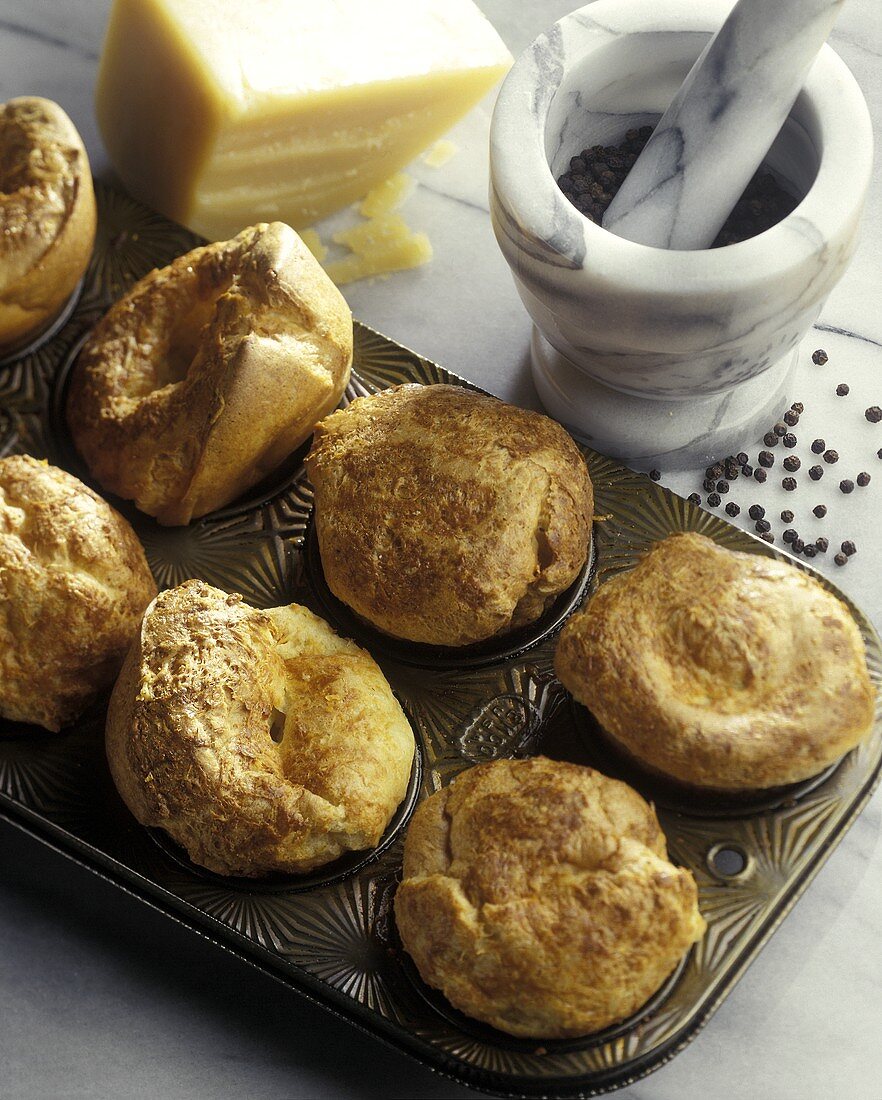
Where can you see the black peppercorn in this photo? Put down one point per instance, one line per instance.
(873, 414)
(723, 487)
(770, 439)
(790, 535)
(798, 546)
(863, 479)
(741, 458)
(842, 390)
(791, 464)
(747, 470)
(694, 498)
(714, 472)
(714, 500)
(787, 516)
(767, 536)
(756, 511)
(818, 445)
(789, 483)
(819, 358)
(655, 475)
(822, 544)
(831, 456)
(732, 508)
(759, 474)
(816, 472)
(791, 417)
(766, 458)
(763, 525)
(780, 428)
(820, 510)
(848, 548)
(789, 440)
(708, 485)
(840, 559)
(879, 453)
(809, 550)
(798, 407)
(846, 485)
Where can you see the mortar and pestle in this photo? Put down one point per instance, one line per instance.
(648, 344)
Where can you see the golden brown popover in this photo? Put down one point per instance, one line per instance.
(445, 516)
(47, 215)
(538, 897)
(210, 372)
(73, 585)
(720, 669)
(259, 740)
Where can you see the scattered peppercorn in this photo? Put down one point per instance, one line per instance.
(763, 525)
(820, 510)
(708, 485)
(790, 535)
(787, 516)
(818, 445)
(732, 509)
(863, 479)
(714, 500)
(770, 439)
(694, 498)
(766, 458)
(846, 485)
(831, 456)
(789, 440)
(879, 453)
(789, 483)
(655, 475)
(798, 546)
(816, 472)
(767, 536)
(873, 414)
(723, 487)
(733, 472)
(741, 458)
(791, 417)
(822, 544)
(756, 511)
(819, 358)
(747, 470)
(714, 472)
(759, 474)
(792, 464)
(780, 428)
(848, 548)
(842, 390)
(809, 550)
(798, 407)
(840, 559)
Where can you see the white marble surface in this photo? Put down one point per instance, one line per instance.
(101, 997)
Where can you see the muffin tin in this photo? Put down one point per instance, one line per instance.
(331, 934)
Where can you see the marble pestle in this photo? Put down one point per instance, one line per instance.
(721, 123)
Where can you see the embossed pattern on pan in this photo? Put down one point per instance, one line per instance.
(333, 936)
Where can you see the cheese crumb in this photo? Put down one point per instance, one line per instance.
(388, 195)
(440, 153)
(379, 246)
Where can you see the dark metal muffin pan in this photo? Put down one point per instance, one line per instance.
(331, 934)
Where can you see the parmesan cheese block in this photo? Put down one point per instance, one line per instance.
(223, 113)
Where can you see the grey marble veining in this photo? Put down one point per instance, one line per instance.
(721, 123)
(102, 997)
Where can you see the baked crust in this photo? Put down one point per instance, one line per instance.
(259, 740)
(720, 669)
(73, 585)
(47, 215)
(445, 516)
(538, 897)
(210, 372)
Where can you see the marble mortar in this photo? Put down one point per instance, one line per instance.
(665, 357)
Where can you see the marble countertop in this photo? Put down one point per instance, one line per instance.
(102, 996)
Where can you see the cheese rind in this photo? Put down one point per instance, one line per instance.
(221, 113)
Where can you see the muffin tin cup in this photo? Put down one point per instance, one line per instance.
(331, 934)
